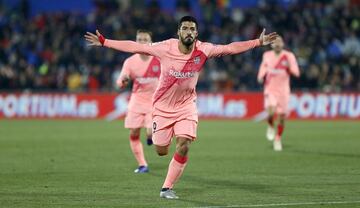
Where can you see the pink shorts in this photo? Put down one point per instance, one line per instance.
(280, 103)
(135, 120)
(164, 130)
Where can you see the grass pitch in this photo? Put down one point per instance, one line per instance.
(89, 164)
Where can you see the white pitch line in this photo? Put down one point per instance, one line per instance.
(282, 204)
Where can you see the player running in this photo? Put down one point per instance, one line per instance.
(276, 67)
(174, 102)
(144, 71)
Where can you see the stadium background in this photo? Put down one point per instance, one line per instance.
(43, 50)
(48, 72)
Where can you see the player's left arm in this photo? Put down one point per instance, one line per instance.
(239, 47)
(294, 67)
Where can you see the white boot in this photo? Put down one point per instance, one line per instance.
(277, 144)
(270, 133)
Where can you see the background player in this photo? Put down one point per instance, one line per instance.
(144, 71)
(174, 102)
(276, 67)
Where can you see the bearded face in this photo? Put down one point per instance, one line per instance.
(187, 33)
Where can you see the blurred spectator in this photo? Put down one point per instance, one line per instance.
(48, 52)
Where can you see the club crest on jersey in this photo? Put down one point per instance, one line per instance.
(285, 63)
(197, 60)
(155, 68)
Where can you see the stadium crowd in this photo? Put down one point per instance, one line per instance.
(48, 52)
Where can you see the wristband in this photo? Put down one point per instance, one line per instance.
(101, 39)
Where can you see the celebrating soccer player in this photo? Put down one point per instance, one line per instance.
(174, 101)
(144, 71)
(276, 67)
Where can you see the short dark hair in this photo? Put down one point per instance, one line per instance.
(188, 19)
(144, 31)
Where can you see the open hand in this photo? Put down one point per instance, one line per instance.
(95, 40)
(267, 39)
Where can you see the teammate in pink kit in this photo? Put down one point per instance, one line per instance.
(144, 71)
(276, 67)
(174, 102)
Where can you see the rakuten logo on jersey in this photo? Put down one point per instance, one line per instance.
(277, 71)
(181, 75)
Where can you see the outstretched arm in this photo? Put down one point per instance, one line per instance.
(239, 47)
(121, 45)
(232, 48)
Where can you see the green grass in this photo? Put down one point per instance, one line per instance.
(89, 164)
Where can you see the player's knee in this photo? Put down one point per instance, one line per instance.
(270, 111)
(134, 132)
(162, 151)
(182, 148)
(282, 119)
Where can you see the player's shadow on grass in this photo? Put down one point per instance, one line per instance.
(201, 203)
(189, 196)
(218, 184)
(332, 154)
(228, 184)
(158, 169)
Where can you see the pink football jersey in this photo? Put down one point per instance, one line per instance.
(175, 96)
(276, 71)
(145, 75)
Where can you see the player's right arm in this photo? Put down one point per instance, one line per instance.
(262, 71)
(122, 45)
(124, 77)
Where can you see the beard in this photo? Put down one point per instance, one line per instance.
(187, 41)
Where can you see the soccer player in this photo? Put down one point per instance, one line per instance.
(276, 67)
(174, 101)
(144, 71)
